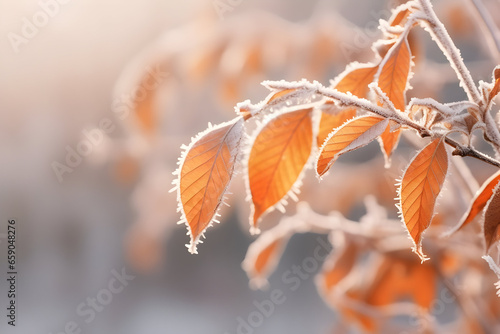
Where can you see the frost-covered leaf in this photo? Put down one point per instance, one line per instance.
(389, 140)
(143, 101)
(492, 219)
(393, 81)
(279, 95)
(491, 90)
(263, 255)
(421, 184)
(277, 158)
(496, 83)
(352, 135)
(355, 80)
(332, 119)
(479, 201)
(205, 170)
(399, 16)
(337, 267)
(399, 278)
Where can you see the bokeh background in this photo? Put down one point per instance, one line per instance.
(73, 234)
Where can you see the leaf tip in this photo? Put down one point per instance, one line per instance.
(254, 230)
(192, 247)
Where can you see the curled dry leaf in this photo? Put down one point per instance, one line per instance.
(356, 82)
(421, 184)
(205, 170)
(338, 265)
(492, 219)
(354, 134)
(393, 81)
(263, 255)
(277, 158)
(396, 280)
(482, 197)
(379, 284)
(492, 91)
(144, 99)
(389, 141)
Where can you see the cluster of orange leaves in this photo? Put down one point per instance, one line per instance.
(282, 146)
(295, 128)
(298, 126)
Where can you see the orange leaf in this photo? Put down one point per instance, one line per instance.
(145, 97)
(205, 171)
(479, 202)
(496, 85)
(338, 266)
(262, 260)
(398, 278)
(278, 155)
(392, 80)
(356, 82)
(263, 256)
(389, 141)
(279, 95)
(146, 114)
(394, 73)
(391, 279)
(330, 122)
(400, 17)
(492, 219)
(352, 135)
(421, 184)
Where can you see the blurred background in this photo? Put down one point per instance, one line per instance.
(65, 73)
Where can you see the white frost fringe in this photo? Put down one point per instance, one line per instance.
(294, 190)
(233, 140)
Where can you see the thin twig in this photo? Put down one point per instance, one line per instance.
(353, 101)
(467, 151)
